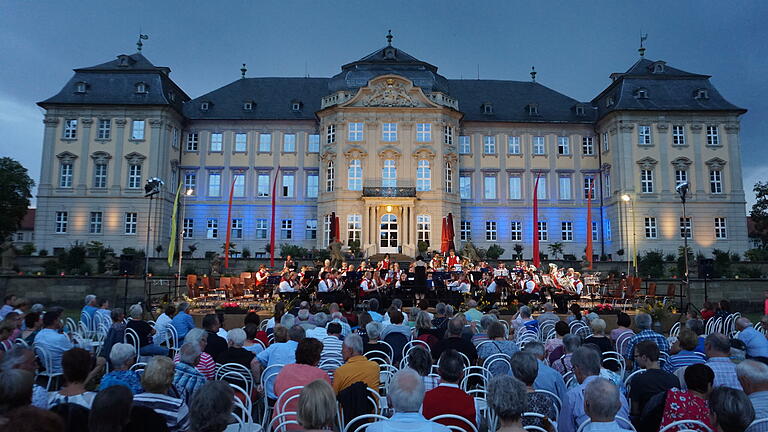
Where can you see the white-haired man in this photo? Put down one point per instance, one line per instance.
(89, 310)
(753, 376)
(601, 403)
(405, 395)
(356, 367)
(757, 344)
(187, 379)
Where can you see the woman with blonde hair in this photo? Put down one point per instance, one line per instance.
(317, 406)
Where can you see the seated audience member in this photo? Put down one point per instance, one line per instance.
(718, 349)
(316, 407)
(157, 379)
(482, 332)
(601, 404)
(507, 398)
(548, 315)
(420, 360)
(111, 410)
(757, 344)
(205, 365)
(406, 393)
(338, 317)
(187, 379)
(373, 310)
(643, 323)
(547, 378)
(730, 410)
(162, 322)
(686, 356)
(33, 323)
(622, 330)
(303, 372)
(454, 340)
(115, 334)
(211, 407)
(122, 357)
(252, 340)
(20, 357)
(52, 339)
(215, 344)
(525, 368)
(396, 325)
(183, 321)
(363, 319)
(753, 376)
(497, 344)
(472, 313)
(89, 310)
(15, 390)
(651, 382)
(76, 364)
(356, 367)
(698, 327)
(373, 330)
(554, 347)
(332, 344)
(586, 368)
(570, 343)
(235, 353)
(7, 308)
(528, 322)
(252, 318)
(33, 419)
(281, 352)
(424, 327)
(145, 332)
(319, 331)
(688, 404)
(447, 397)
(440, 321)
(75, 416)
(598, 336)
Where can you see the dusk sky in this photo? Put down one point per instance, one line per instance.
(574, 46)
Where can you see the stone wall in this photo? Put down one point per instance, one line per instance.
(70, 291)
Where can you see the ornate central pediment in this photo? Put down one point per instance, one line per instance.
(391, 91)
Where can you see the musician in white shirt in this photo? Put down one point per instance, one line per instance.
(367, 286)
(288, 284)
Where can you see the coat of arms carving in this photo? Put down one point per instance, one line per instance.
(390, 94)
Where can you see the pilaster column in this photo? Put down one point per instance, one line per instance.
(117, 177)
(82, 182)
(49, 142)
(401, 228)
(412, 224)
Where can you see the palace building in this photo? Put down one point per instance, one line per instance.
(391, 147)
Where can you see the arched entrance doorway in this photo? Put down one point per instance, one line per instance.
(388, 241)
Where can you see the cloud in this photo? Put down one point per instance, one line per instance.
(21, 134)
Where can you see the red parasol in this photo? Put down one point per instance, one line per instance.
(444, 236)
(451, 232)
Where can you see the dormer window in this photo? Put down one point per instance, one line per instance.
(641, 93)
(81, 87)
(124, 60)
(533, 109)
(171, 96)
(295, 106)
(248, 106)
(657, 67)
(204, 106)
(609, 101)
(701, 94)
(579, 110)
(487, 108)
(141, 88)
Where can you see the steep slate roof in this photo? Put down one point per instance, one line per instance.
(114, 83)
(670, 90)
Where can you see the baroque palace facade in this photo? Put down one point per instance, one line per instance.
(391, 147)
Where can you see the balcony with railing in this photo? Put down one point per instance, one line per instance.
(389, 188)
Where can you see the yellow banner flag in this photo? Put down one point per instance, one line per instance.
(172, 243)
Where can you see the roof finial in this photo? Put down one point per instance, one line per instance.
(533, 74)
(641, 50)
(389, 38)
(139, 43)
(243, 70)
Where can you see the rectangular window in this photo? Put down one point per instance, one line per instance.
(607, 225)
(175, 138)
(237, 228)
(516, 230)
(543, 234)
(489, 144)
(589, 187)
(389, 174)
(261, 229)
(265, 143)
(721, 231)
(100, 175)
(212, 229)
(465, 146)
(713, 138)
(489, 186)
(188, 228)
(389, 132)
(715, 181)
(62, 219)
(262, 185)
(565, 187)
(326, 230)
(566, 231)
(594, 231)
(607, 177)
(94, 227)
(465, 186)
(466, 230)
(355, 131)
(646, 181)
(214, 184)
(137, 130)
(216, 144)
(644, 135)
(312, 185)
(310, 232)
(241, 142)
(681, 176)
(605, 142)
(423, 176)
(193, 140)
(289, 143)
(448, 135)
(490, 231)
(330, 134)
(65, 175)
(286, 229)
(541, 190)
(423, 132)
(651, 230)
(678, 135)
(288, 185)
(448, 178)
(563, 145)
(330, 177)
(539, 147)
(355, 175)
(313, 143)
(685, 227)
(190, 181)
(423, 228)
(515, 187)
(513, 145)
(239, 180)
(134, 176)
(70, 129)
(131, 223)
(105, 129)
(588, 145)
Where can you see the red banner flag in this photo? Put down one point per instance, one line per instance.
(590, 185)
(272, 233)
(536, 258)
(229, 223)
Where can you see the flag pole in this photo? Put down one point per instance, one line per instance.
(590, 185)
(272, 233)
(536, 258)
(229, 222)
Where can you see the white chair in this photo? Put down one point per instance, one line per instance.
(47, 362)
(555, 401)
(279, 423)
(172, 339)
(137, 367)
(675, 330)
(415, 343)
(473, 373)
(500, 359)
(464, 357)
(534, 415)
(375, 398)
(687, 426)
(236, 367)
(70, 326)
(364, 420)
(286, 396)
(268, 376)
(467, 425)
(132, 338)
(615, 357)
(246, 407)
(379, 357)
(570, 380)
(330, 364)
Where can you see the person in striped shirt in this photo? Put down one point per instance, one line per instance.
(206, 365)
(332, 344)
(157, 380)
(687, 341)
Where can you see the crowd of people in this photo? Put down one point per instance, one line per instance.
(435, 367)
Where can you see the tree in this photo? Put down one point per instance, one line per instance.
(759, 213)
(15, 192)
(518, 251)
(556, 249)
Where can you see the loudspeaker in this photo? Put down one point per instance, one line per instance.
(707, 268)
(127, 264)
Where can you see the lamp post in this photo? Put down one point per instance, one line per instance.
(187, 193)
(628, 199)
(625, 233)
(682, 190)
(151, 188)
